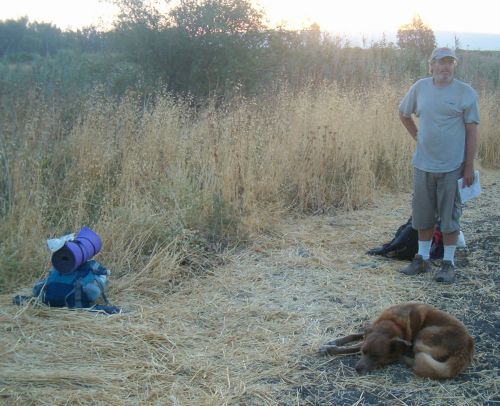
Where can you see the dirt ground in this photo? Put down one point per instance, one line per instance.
(248, 332)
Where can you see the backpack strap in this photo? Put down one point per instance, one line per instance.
(77, 290)
(98, 270)
(102, 288)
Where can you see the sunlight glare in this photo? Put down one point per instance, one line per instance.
(340, 17)
(65, 14)
(365, 16)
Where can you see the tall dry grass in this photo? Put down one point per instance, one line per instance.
(165, 185)
(489, 145)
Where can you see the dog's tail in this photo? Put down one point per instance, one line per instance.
(428, 367)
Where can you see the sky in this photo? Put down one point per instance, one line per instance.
(354, 16)
(343, 17)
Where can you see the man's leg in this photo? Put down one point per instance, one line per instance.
(423, 220)
(449, 206)
(450, 245)
(425, 242)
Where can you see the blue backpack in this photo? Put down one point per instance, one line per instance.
(78, 289)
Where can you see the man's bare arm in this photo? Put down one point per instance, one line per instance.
(410, 125)
(470, 152)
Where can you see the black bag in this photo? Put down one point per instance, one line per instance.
(404, 245)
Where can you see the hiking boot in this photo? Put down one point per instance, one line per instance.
(447, 273)
(418, 265)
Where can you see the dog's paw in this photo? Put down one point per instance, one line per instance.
(327, 349)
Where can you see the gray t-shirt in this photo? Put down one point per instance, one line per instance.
(442, 113)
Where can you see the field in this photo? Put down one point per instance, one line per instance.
(247, 331)
(236, 236)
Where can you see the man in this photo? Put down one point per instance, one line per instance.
(446, 138)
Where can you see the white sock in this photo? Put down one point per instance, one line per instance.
(449, 253)
(424, 249)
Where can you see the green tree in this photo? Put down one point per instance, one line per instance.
(13, 36)
(20, 39)
(224, 39)
(416, 37)
(139, 35)
(416, 40)
(139, 13)
(47, 38)
(209, 17)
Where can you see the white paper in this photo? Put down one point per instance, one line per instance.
(471, 191)
(461, 240)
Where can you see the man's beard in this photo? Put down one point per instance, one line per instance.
(443, 77)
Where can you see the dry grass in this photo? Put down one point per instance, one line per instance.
(166, 177)
(489, 147)
(247, 333)
(167, 190)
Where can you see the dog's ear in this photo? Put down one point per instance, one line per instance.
(398, 343)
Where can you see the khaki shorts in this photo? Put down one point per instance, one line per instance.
(436, 196)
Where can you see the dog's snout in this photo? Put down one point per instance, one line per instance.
(360, 367)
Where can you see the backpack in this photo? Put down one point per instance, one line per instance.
(78, 289)
(404, 245)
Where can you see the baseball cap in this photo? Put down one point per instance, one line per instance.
(440, 53)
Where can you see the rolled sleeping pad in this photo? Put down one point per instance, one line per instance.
(89, 236)
(74, 253)
(68, 258)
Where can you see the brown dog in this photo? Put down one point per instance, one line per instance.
(434, 343)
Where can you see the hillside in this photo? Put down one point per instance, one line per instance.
(247, 331)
